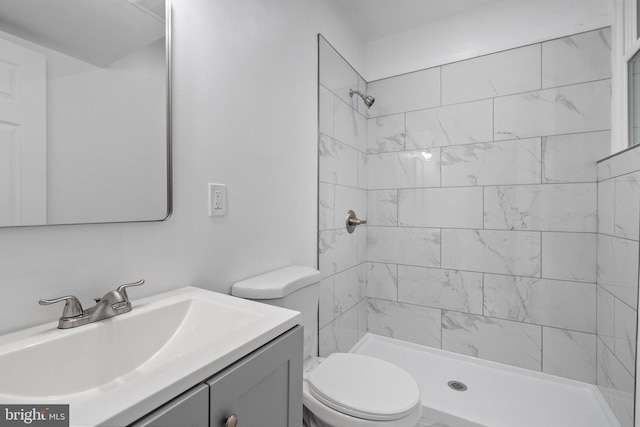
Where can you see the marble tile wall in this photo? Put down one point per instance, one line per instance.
(491, 230)
(482, 201)
(617, 279)
(342, 186)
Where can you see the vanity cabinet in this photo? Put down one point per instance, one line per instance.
(263, 389)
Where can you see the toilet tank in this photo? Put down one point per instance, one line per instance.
(295, 287)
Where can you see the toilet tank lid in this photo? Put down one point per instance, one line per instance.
(276, 284)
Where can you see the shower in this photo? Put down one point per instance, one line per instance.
(368, 99)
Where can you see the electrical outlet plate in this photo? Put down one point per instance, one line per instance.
(217, 199)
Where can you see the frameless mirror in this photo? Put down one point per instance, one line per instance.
(84, 111)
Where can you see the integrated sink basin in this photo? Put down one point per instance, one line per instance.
(114, 371)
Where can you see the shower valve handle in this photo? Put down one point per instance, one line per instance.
(352, 221)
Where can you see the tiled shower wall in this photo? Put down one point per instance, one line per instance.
(482, 204)
(617, 279)
(479, 182)
(342, 187)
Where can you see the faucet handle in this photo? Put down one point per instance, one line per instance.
(122, 289)
(72, 308)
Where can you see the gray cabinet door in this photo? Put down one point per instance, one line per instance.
(264, 389)
(190, 409)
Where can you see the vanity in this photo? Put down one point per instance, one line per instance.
(188, 357)
(262, 389)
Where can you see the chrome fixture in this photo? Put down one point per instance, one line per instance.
(112, 304)
(368, 99)
(457, 385)
(352, 221)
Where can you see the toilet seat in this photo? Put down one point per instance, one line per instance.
(364, 387)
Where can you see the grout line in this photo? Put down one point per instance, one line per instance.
(541, 263)
(542, 348)
(541, 65)
(440, 69)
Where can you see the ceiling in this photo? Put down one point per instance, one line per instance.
(375, 19)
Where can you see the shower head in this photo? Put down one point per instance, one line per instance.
(368, 99)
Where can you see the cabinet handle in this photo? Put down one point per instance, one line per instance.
(232, 421)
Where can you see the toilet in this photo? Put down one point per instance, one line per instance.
(344, 389)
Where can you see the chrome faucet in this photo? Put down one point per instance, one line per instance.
(111, 304)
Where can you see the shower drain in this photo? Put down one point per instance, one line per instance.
(457, 386)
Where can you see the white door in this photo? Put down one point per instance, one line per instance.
(23, 136)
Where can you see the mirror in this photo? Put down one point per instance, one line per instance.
(634, 100)
(84, 111)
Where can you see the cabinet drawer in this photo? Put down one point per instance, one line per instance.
(190, 409)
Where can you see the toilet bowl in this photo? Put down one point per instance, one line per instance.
(344, 389)
(356, 390)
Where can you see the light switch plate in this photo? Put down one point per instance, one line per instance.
(217, 199)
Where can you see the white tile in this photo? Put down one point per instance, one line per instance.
(452, 125)
(569, 256)
(547, 207)
(572, 158)
(363, 322)
(492, 251)
(618, 267)
(328, 340)
(576, 59)
(627, 206)
(408, 92)
(382, 281)
(382, 207)
(405, 169)
(338, 162)
(361, 234)
(494, 163)
(625, 162)
(434, 287)
(625, 335)
(361, 271)
(459, 207)
(606, 317)
(326, 302)
(404, 245)
(326, 206)
(347, 330)
(349, 290)
(350, 126)
(386, 134)
(348, 198)
(569, 354)
(420, 325)
(570, 109)
(611, 373)
(325, 113)
(568, 305)
(362, 170)
(338, 251)
(339, 335)
(513, 343)
(503, 73)
(606, 204)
